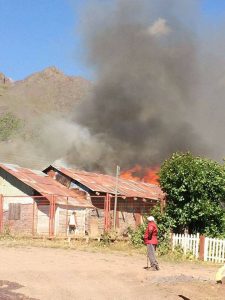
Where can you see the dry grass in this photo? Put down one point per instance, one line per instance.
(83, 245)
(120, 247)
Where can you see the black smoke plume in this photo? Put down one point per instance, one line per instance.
(148, 83)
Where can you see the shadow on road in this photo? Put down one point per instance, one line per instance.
(7, 291)
(183, 297)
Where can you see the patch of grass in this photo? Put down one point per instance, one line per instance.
(9, 126)
(124, 247)
(177, 255)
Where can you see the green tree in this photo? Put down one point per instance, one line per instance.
(195, 189)
(9, 125)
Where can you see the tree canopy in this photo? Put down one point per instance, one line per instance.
(195, 189)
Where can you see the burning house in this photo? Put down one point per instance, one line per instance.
(134, 198)
(31, 202)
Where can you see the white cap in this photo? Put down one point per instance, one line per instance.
(151, 218)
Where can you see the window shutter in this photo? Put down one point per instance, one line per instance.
(14, 211)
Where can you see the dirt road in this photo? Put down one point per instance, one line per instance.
(43, 273)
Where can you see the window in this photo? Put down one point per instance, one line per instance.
(14, 211)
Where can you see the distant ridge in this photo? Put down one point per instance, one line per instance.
(46, 91)
(46, 94)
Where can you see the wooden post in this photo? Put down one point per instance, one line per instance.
(67, 218)
(137, 217)
(1, 213)
(107, 220)
(109, 212)
(34, 223)
(106, 213)
(116, 195)
(117, 220)
(52, 216)
(201, 247)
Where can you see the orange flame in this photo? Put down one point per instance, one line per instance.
(138, 173)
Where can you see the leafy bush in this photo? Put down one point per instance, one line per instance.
(105, 239)
(9, 125)
(6, 231)
(136, 236)
(108, 237)
(178, 253)
(164, 222)
(164, 247)
(195, 189)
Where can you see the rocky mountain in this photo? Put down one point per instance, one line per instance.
(47, 91)
(32, 109)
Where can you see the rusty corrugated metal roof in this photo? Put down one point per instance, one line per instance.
(106, 184)
(45, 185)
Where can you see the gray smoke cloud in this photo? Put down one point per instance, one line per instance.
(146, 102)
(159, 87)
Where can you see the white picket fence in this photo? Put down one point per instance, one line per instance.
(188, 242)
(214, 250)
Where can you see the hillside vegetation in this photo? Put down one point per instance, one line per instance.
(47, 91)
(25, 105)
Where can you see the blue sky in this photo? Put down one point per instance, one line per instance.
(35, 34)
(213, 8)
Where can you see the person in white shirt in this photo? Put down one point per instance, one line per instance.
(72, 222)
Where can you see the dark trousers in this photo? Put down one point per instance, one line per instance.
(151, 255)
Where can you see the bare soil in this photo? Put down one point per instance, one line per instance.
(45, 273)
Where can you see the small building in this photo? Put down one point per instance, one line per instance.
(135, 199)
(33, 203)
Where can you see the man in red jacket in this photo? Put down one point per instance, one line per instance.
(150, 238)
